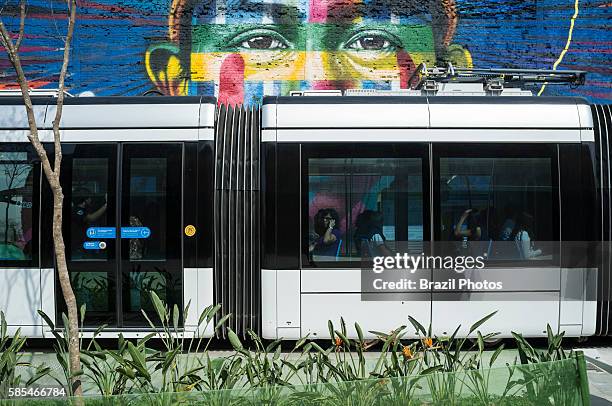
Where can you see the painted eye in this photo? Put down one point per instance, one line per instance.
(260, 39)
(263, 42)
(372, 41)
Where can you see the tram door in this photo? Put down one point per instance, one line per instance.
(122, 226)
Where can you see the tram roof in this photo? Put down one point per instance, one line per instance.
(112, 112)
(427, 112)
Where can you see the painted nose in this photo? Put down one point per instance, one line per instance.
(324, 71)
(231, 83)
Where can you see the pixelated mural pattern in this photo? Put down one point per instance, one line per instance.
(239, 50)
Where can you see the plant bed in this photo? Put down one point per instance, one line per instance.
(426, 371)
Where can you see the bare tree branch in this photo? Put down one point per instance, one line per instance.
(22, 16)
(23, 84)
(62, 86)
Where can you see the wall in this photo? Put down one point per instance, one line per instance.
(240, 49)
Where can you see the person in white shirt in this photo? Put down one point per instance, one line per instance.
(523, 234)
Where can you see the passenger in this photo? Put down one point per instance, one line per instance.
(328, 235)
(84, 207)
(468, 226)
(509, 223)
(488, 229)
(488, 225)
(522, 234)
(84, 215)
(369, 233)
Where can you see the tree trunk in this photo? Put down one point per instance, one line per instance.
(53, 177)
(67, 292)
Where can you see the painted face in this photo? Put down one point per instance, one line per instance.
(240, 50)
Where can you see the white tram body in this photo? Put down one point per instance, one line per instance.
(207, 204)
(109, 144)
(299, 299)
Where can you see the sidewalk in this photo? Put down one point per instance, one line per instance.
(599, 370)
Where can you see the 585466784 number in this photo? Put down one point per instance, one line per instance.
(37, 392)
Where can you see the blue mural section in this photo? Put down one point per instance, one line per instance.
(109, 55)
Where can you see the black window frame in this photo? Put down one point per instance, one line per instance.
(359, 150)
(501, 150)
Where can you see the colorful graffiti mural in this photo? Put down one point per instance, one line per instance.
(239, 50)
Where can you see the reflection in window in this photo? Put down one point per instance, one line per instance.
(141, 284)
(352, 201)
(497, 207)
(88, 205)
(92, 289)
(148, 189)
(16, 197)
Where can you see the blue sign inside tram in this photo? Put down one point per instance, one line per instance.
(135, 232)
(94, 245)
(101, 232)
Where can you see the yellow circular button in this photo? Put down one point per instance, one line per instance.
(190, 230)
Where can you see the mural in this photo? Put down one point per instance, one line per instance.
(239, 50)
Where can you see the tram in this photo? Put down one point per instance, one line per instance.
(265, 209)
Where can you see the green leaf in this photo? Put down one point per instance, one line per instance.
(208, 314)
(159, 306)
(141, 342)
(127, 372)
(452, 337)
(345, 341)
(382, 336)
(317, 347)
(301, 341)
(4, 326)
(222, 321)
(418, 326)
(186, 310)
(40, 372)
(138, 360)
(99, 330)
(82, 309)
(480, 341)
(271, 347)
(175, 317)
(481, 322)
(169, 359)
(432, 369)
(496, 354)
(66, 326)
(359, 332)
(213, 310)
(50, 324)
(234, 340)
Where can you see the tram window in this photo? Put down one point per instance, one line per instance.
(501, 208)
(17, 204)
(357, 200)
(88, 205)
(147, 207)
